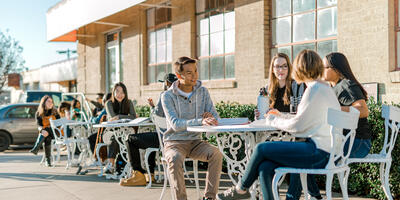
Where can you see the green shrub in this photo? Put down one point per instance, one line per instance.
(142, 111)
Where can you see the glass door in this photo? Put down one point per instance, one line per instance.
(113, 60)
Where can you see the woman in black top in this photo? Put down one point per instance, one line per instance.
(118, 107)
(349, 93)
(46, 111)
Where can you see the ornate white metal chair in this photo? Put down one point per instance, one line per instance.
(58, 126)
(391, 115)
(161, 123)
(337, 163)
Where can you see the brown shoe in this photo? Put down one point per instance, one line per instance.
(153, 179)
(137, 179)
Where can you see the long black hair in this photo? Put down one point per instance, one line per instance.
(340, 64)
(120, 107)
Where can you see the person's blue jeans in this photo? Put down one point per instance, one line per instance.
(360, 149)
(268, 156)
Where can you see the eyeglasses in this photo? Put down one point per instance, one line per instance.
(284, 66)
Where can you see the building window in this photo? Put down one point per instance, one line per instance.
(159, 45)
(216, 39)
(113, 60)
(397, 35)
(304, 24)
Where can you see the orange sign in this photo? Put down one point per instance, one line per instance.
(14, 80)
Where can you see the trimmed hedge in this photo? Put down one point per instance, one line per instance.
(364, 178)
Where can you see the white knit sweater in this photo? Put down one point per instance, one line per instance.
(311, 118)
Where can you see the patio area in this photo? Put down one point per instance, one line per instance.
(21, 177)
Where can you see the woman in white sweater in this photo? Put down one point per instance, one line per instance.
(310, 122)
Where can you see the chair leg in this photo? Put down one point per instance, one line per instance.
(68, 156)
(275, 182)
(196, 177)
(186, 172)
(303, 178)
(146, 161)
(281, 180)
(158, 180)
(329, 178)
(343, 177)
(384, 175)
(58, 152)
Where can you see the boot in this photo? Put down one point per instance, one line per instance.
(47, 153)
(38, 143)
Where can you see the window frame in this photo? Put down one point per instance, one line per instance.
(156, 27)
(207, 14)
(396, 31)
(314, 41)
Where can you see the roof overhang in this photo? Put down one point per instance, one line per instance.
(66, 17)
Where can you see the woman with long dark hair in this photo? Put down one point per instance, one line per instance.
(118, 107)
(46, 111)
(350, 92)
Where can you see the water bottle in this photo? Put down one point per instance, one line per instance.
(262, 104)
(293, 105)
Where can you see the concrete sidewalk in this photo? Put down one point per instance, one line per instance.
(21, 177)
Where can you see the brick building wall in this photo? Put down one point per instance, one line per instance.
(366, 37)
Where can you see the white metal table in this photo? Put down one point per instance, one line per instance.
(235, 138)
(120, 132)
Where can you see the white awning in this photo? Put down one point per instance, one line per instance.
(67, 16)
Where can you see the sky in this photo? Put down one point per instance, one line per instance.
(26, 23)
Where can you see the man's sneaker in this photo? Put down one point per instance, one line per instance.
(207, 198)
(137, 179)
(231, 194)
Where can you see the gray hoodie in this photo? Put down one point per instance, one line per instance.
(181, 111)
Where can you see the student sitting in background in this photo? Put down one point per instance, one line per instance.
(98, 104)
(76, 110)
(64, 111)
(138, 141)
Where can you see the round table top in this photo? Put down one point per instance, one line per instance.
(127, 124)
(230, 128)
(77, 123)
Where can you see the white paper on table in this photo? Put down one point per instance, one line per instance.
(117, 121)
(140, 120)
(232, 121)
(258, 123)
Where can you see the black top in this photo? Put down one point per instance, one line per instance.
(348, 92)
(279, 104)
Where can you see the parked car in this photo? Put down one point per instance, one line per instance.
(18, 124)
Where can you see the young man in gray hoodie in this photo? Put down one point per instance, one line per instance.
(187, 103)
